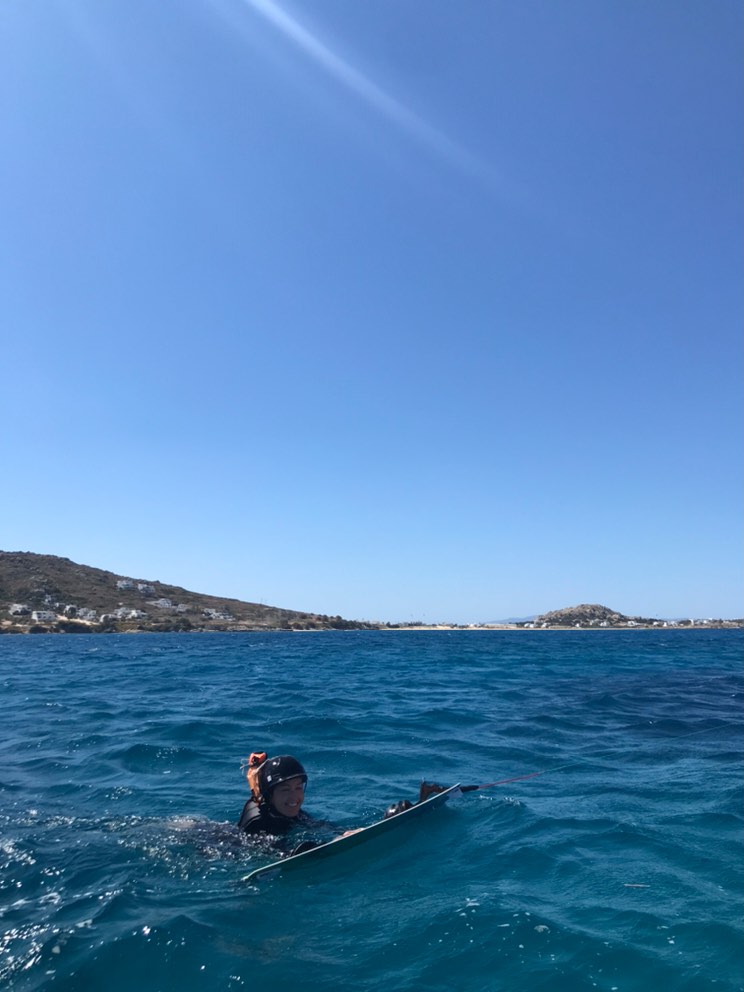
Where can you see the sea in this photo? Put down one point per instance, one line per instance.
(608, 857)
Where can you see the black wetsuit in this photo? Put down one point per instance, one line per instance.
(262, 819)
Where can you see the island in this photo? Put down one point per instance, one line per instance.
(47, 594)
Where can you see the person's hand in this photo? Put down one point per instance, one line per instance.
(429, 789)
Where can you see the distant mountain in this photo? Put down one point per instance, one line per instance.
(583, 614)
(516, 619)
(44, 593)
(593, 615)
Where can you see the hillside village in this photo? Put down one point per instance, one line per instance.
(42, 594)
(588, 616)
(54, 611)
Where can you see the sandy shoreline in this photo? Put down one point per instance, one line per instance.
(8, 628)
(726, 625)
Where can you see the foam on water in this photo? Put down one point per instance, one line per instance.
(617, 868)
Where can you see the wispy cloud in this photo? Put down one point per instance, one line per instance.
(369, 91)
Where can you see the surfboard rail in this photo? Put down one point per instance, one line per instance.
(360, 836)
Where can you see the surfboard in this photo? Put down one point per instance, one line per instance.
(340, 844)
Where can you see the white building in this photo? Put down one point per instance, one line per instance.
(125, 613)
(216, 615)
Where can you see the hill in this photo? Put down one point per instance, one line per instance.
(585, 614)
(593, 615)
(44, 593)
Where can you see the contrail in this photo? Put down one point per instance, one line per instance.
(367, 90)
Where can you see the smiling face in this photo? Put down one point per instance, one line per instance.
(287, 797)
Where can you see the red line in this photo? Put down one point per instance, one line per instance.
(519, 778)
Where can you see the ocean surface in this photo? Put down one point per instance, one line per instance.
(619, 867)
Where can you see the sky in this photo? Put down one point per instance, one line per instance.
(421, 310)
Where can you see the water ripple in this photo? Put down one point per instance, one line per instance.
(617, 866)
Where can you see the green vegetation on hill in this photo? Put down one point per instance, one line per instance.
(44, 593)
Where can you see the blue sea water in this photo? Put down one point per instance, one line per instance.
(617, 868)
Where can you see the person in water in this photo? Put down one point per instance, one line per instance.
(278, 792)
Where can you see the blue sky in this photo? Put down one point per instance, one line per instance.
(393, 310)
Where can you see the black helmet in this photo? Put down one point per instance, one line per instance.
(396, 808)
(277, 770)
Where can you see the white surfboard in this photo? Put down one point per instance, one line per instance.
(344, 843)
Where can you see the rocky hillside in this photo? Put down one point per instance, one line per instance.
(584, 614)
(590, 615)
(44, 593)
